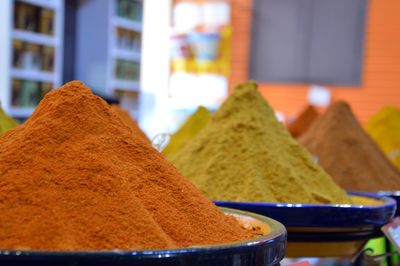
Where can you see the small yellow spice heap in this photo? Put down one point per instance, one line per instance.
(6, 122)
(384, 128)
(193, 125)
(245, 154)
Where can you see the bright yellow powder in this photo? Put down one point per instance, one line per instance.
(245, 154)
(384, 128)
(193, 125)
(6, 122)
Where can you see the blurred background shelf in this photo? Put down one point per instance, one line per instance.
(124, 54)
(32, 75)
(127, 24)
(113, 69)
(33, 37)
(125, 86)
(44, 3)
(31, 41)
(21, 111)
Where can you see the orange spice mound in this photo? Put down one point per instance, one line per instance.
(303, 121)
(129, 121)
(74, 177)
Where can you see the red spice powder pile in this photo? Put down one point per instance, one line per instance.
(347, 153)
(303, 121)
(74, 177)
(129, 121)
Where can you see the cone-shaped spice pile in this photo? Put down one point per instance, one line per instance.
(192, 126)
(384, 128)
(6, 122)
(347, 153)
(129, 121)
(74, 177)
(303, 121)
(245, 154)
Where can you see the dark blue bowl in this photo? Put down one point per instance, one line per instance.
(268, 249)
(321, 215)
(379, 194)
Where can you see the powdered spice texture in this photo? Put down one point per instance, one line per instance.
(384, 128)
(6, 122)
(245, 154)
(347, 153)
(192, 126)
(74, 177)
(129, 121)
(303, 121)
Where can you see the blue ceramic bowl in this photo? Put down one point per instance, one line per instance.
(322, 215)
(268, 249)
(379, 194)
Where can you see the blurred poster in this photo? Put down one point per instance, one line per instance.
(200, 51)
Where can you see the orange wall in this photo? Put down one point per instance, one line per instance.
(381, 70)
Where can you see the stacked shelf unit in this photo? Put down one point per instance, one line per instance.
(108, 57)
(31, 50)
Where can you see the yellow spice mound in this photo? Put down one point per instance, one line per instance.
(6, 122)
(245, 154)
(384, 128)
(192, 126)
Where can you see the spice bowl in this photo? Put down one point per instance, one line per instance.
(268, 250)
(380, 194)
(325, 230)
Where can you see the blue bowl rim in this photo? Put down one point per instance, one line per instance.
(379, 193)
(387, 202)
(280, 234)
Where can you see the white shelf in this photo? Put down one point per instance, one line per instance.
(32, 75)
(125, 85)
(20, 111)
(43, 3)
(33, 37)
(126, 54)
(127, 24)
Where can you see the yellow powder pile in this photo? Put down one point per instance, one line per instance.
(6, 122)
(193, 125)
(245, 154)
(384, 128)
(129, 121)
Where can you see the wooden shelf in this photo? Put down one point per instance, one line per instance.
(127, 24)
(32, 75)
(33, 37)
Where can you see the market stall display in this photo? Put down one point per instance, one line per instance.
(347, 153)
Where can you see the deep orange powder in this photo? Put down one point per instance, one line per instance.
(129, 121)
(74, 177)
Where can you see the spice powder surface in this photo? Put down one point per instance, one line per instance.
(347, 153)
(245, 154)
